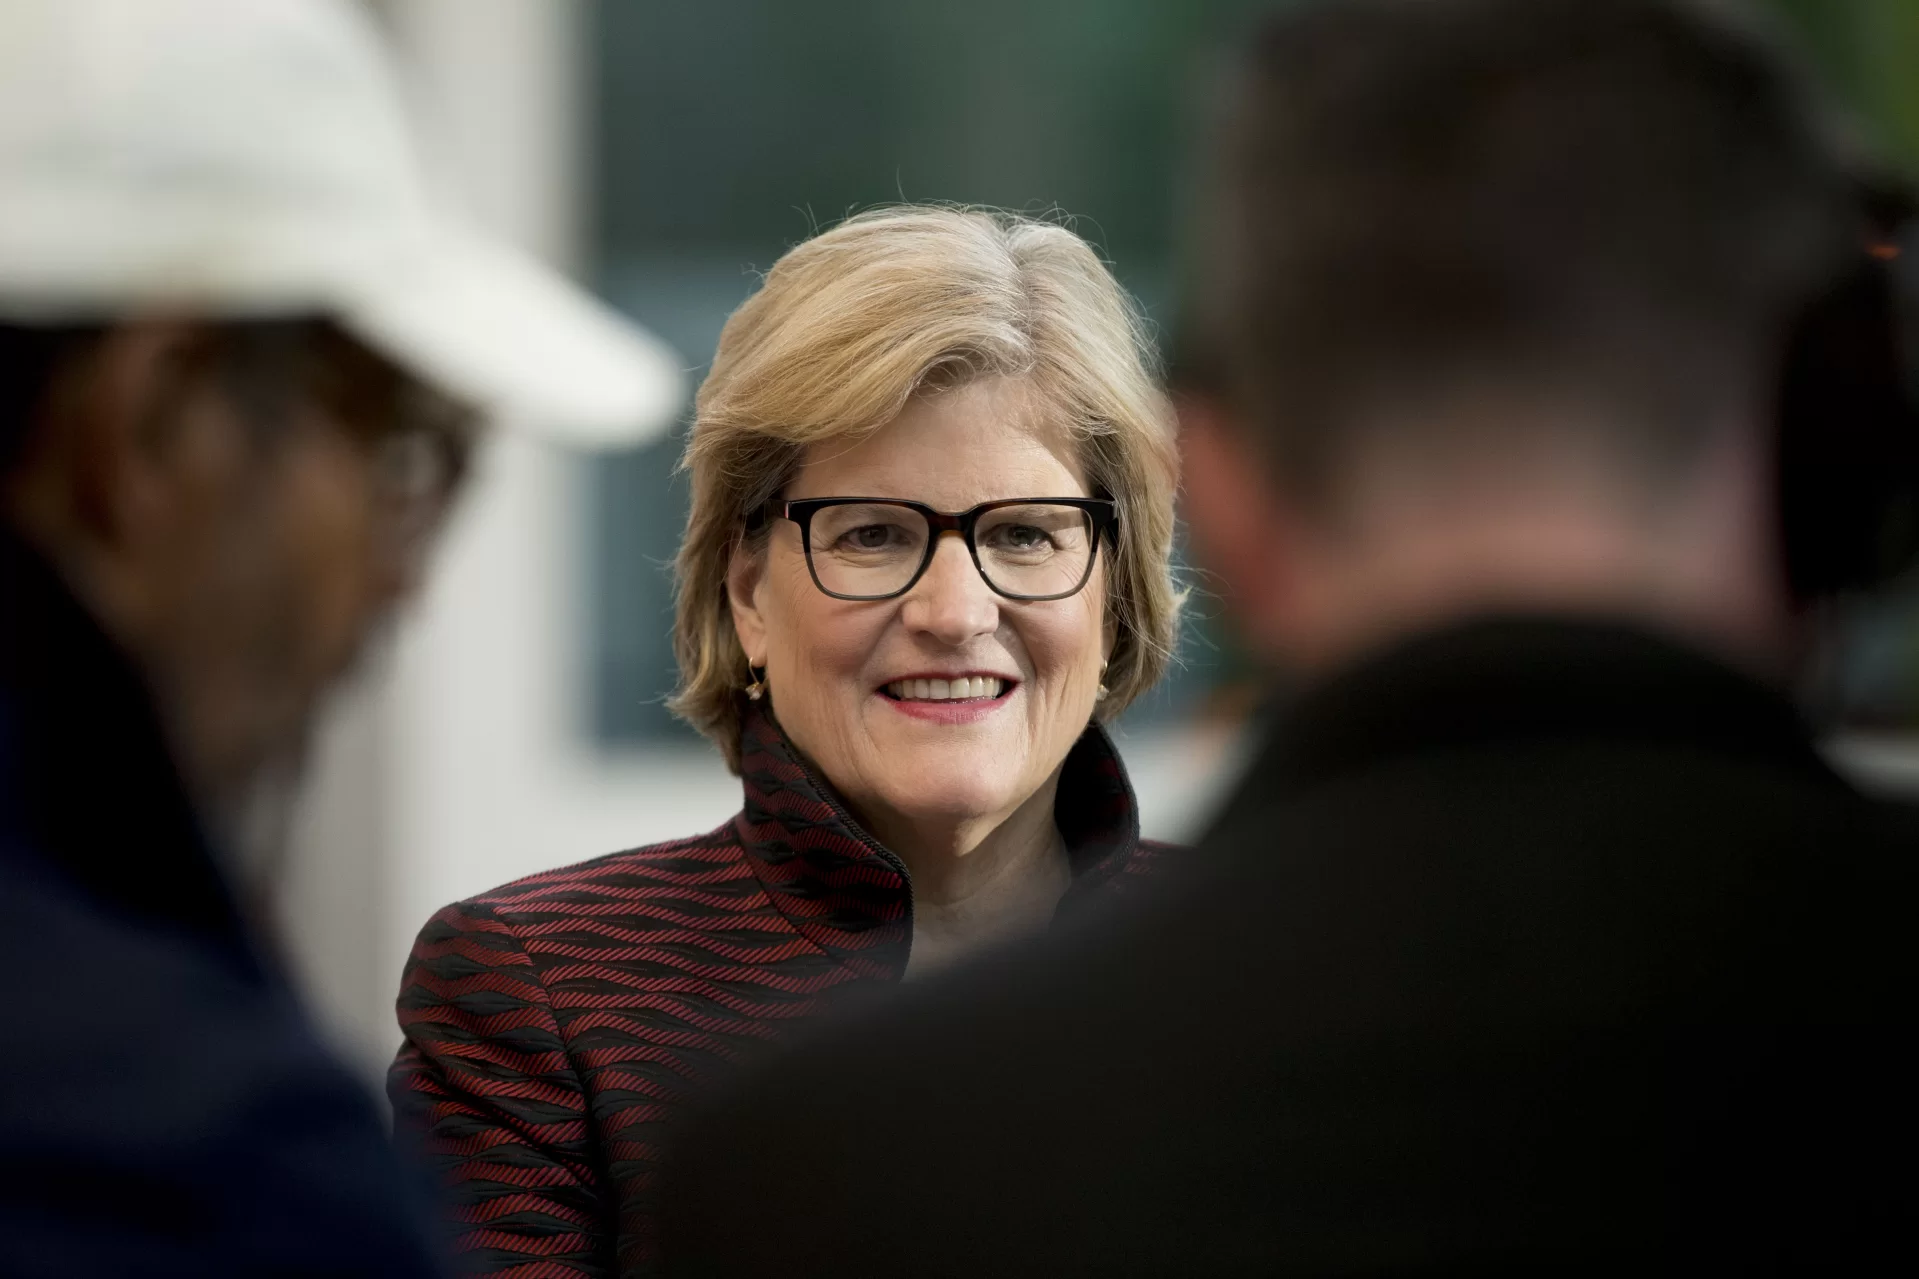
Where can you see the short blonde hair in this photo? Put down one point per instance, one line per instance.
(853, 323)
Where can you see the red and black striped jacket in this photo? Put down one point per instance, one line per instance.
(556, 1026)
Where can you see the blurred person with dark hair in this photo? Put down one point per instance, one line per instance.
(1542, 377)
(240, 358)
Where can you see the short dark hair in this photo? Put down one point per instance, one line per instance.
(1622, 201)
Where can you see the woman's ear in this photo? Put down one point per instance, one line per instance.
(744, 573)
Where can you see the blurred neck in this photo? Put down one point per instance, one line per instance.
(1567, 536)
(125, 589)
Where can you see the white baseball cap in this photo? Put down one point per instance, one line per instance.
(250, 158)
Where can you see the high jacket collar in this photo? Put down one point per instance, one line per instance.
(1505, 680)
(850, 895)
(87, 782)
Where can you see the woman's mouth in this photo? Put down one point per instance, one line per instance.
(967, 688)
(963, 699)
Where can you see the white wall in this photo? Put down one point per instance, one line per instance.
(459, 762)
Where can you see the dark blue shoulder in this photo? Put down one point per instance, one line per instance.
(165, 1111)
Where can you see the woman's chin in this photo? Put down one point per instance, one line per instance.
(950, 786)
(934, 771)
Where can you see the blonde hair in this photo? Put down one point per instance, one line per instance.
(853, 323)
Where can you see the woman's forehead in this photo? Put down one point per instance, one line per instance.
(951, 448)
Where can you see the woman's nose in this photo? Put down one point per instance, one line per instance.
(951, 601)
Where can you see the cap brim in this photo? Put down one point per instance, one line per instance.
(497, 329)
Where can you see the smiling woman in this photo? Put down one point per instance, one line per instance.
(962, 789)
(928, 550)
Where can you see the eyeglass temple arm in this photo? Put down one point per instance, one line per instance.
(763, 514)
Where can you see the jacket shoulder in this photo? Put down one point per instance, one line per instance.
(162, 1062)
(1152, 857)
(716, 855)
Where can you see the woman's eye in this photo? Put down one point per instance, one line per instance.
(869, 537)
(1023, 537)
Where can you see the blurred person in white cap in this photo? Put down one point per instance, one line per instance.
(241, 356)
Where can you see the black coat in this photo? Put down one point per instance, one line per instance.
(165, 1109)
(1529, 946)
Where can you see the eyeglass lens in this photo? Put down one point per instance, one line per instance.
(415, 472)
(874, 549)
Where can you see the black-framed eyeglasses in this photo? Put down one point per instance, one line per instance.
(877, 548)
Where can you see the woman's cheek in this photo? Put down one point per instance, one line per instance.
(1057, 647)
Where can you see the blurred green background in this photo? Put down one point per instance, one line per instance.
(725, 131)
(1869, 52)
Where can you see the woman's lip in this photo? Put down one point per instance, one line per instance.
(952, 675)
(1006, 682)
(967, 711)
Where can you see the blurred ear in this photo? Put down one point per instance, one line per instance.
(1237, 518)
(743, 575)
(117, 437)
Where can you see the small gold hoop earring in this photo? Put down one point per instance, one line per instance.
(757, 689)
(1100, 696)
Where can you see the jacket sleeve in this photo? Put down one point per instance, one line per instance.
(485, 1094)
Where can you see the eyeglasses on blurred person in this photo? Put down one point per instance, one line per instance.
(242, 362)
(927, 555)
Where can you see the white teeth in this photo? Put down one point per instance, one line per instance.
(943, 690)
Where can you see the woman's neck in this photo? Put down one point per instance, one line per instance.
(976, 883)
